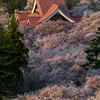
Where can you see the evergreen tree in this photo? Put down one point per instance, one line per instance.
(13, 55)
(93, 53)
(19, 50)
(7, 76)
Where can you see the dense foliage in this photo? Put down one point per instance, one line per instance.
(4, 16)
(13, 55)
(13, 4)
(85, 5)
(72, 3)
(93, 53)
(6, 62)
(19, 50)
(56, 49)
(9, 75)
(54, 57)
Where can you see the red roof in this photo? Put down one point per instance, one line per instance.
(46, 8)
(22, 15)
(46, 4)
(33, 20)
(33, 15)
(23, 22)
(50, 11)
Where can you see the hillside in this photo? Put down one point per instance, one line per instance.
(56, 53)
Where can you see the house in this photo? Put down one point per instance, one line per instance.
(44, 10)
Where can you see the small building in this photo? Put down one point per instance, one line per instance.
(44, 10)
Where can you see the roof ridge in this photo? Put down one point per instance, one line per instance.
(34, 15)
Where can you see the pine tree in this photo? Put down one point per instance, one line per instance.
(13, 55)
(7, 76)
(19, 50)
(93, 53)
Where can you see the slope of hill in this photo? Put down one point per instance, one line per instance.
(56, 51)
(55, 56)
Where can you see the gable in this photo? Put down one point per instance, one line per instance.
(22, 16)
(48, 16)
